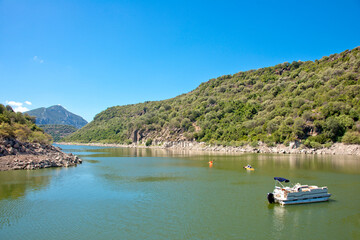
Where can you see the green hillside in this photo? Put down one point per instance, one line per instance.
(20, 126)
(58, 131)
(316, 102)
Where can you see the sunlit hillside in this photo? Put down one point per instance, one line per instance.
(317, 102)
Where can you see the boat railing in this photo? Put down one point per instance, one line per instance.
(280, 185)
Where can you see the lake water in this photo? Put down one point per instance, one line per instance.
(156, 194)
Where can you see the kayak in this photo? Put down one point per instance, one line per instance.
(249, 168)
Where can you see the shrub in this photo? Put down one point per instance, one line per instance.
(334, 128)
(351, 137)
(40, 137)
(270, 144)
(148, 142)
(315, 145)
(6, 130)
(254, 143)
(312, 144)
(298, 128)
(185, 124)
(22, 133)
(321, 138)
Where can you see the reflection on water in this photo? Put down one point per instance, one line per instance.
(294, 220)
(15, 184)
(127, 193)
(92, 161)
(347, 163)
(313, 162)
(279, 217)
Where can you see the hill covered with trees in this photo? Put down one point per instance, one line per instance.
(23, 145)
(58, 131)
(315, 102)
(21, 127)
(57, 121)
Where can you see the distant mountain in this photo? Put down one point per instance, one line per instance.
(18, 127)
(57, 115)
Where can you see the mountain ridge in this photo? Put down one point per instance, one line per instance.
(56, 115)
(314, 102)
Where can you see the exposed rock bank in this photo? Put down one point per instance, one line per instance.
(15, 155)
(293, 148)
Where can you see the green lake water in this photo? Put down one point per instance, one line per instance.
(122, 193)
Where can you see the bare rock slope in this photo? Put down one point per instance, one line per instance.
(16, 155)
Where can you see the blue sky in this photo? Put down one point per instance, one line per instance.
(91, 55)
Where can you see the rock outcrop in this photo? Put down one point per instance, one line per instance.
(15, 155)
(293, 148)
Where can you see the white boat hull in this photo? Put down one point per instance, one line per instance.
(298, 194)
(299, 201)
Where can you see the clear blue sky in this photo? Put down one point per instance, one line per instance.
(91, 55)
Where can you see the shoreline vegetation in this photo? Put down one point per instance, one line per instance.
(23, 145)
(293, 148)
(316, 103)
(310, 107)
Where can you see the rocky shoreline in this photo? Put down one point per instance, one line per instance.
(293, 148)
(16, 155)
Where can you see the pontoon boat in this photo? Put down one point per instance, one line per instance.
(297, 193)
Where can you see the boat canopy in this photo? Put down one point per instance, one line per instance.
(280, 179)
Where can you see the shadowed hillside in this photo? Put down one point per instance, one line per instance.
(58, 131)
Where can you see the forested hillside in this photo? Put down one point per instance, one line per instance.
(20, 126)
(58, 131)
(316, 102)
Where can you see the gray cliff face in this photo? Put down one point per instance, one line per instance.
(16, 155)
(57, 115)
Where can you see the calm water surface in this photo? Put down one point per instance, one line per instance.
(156, 194)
